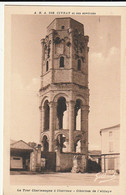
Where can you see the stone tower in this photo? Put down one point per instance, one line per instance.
(64, 93)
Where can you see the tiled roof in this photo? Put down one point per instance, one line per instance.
(12, 141)
(20, 145)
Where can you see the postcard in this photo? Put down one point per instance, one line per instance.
(64, 100)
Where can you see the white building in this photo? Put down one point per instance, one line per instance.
(110, 149)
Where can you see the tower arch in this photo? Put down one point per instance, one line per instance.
(43, 100)
(45, 143)
(61, 108)
(61, 94)
(61, 140)
(81, 98)
(47, 115)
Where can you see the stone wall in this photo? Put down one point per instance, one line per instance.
(64, 161)
(50, 158)
(33, 160)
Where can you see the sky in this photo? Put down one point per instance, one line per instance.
(104, 74)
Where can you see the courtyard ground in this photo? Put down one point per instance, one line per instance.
(68, 179)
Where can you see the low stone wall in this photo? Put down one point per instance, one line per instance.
(66, 161)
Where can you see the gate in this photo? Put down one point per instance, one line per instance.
(50, 157)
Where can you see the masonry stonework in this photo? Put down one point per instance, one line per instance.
(64, 92)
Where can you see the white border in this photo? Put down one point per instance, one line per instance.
(1, 93)
(2, 4)
(78, 3)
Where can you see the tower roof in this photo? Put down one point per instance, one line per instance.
(67, 22)
(64, 18)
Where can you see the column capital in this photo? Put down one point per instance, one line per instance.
(51, 104)
(55, 104)
(85, 108)
(42, 107)
(67, 103)
(72, 102)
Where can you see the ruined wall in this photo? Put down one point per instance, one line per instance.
(33, 160)
(64, 161)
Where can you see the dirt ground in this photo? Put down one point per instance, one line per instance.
(66, 179)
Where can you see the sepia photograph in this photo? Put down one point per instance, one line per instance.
(62, 101)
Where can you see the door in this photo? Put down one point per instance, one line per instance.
(16, 162)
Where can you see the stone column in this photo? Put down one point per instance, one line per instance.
(71, 126)
(84, 128)
(43, 118)
(51, 127)
(67, 105)
(67, 145)
(40, 108)
(71, 53)
(52, 54)
(86, 38)
(43, 58)
(38, 166)
(55, 115)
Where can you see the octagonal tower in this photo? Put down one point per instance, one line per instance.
(64, 93)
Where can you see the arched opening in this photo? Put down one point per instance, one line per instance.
(77, 147)
(79, 65)
(45, 143)
(77, 119)
(47, 111)
(47, 66)
(61, 108)
(61, 143)
(62, 61)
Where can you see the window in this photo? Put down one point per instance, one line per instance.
(79, 65)
(16, 158)
(61, 61)
(47, 66)
(62, 27)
